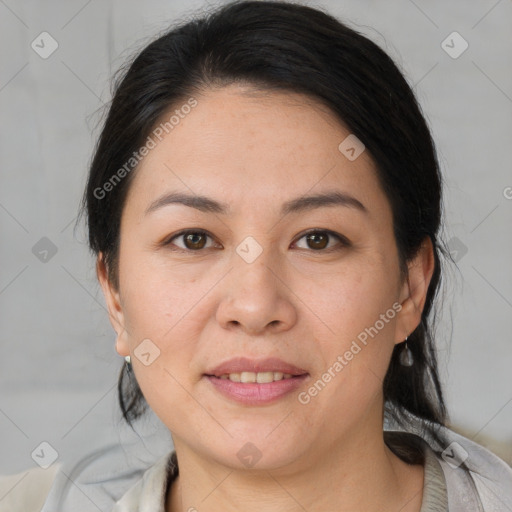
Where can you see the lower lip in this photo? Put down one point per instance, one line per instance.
(253, 393)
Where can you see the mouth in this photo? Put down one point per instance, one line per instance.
(255, 382)
(248, 367)
(255, 393)
(259, 377)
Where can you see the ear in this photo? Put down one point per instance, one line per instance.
(414, 290)
(115, 311)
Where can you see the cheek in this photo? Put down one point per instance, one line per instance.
(356, 357)
(155, 295)
(356, 337)
(162, 310)
(170, 307)
(353, 300)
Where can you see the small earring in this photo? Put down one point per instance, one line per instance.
(128, 359)
(406, 357)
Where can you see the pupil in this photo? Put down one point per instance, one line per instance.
(314, 238)
(191, 237)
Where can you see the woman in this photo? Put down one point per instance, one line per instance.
(264, 203)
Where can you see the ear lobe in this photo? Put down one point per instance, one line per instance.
(415, 289)
(115, 311)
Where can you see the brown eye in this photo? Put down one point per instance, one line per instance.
(319, 240)
(192, 240)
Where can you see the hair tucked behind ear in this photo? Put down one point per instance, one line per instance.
(288, 47)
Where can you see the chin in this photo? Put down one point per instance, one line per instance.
(259, 453)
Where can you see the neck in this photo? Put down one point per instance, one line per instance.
(358, 473)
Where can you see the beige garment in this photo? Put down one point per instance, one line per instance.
(27, 490)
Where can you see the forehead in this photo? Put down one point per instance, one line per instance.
(254, 147)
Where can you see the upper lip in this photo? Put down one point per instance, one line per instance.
(243, 364)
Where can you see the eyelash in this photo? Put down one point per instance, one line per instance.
(344, 242)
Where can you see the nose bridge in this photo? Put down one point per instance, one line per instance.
(253, 265)
(255, 297)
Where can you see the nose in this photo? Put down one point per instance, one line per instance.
(256, 298)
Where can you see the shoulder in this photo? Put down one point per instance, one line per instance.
(26, 491)
(471, 468)
(149, 493)
(96, 481)
(476, 479)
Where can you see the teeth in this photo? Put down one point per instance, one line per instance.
(260, 377)
(248, 377)
(264, 377)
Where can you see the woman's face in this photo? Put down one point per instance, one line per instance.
(251, 283)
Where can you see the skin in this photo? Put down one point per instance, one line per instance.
(254, 151)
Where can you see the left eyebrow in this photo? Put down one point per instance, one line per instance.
(206, 204)
(335, 198)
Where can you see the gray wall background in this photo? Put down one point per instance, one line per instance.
(58, 366)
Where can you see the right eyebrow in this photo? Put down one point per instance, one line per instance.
(202, 203)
